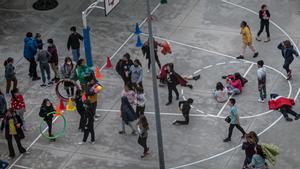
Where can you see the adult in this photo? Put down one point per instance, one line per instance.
(172, 83)
(83, 73)
(89, 124)
(74, 43)
(43, 57)
(185, 107)
(29, 52)
(68, 72)
(123, 68)
(128, 115)
(264, 16)
(234, 120)
(45, 109)
(234, 84)
(288, 52)
(12, 125)
(10, 74)
(54, 59)
(136, 74)
(221, 93)
(246, 40)
(146, 51)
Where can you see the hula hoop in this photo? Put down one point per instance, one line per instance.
(62, 81)
(59, 133)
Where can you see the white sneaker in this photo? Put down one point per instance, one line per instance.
(82, 143)
(260, 100)
(97, 115)
(148, 70)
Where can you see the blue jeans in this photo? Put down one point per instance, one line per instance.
(233, 91)
(76, 54)
(45, 68)
(3, 164)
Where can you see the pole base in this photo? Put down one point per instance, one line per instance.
(44, 5)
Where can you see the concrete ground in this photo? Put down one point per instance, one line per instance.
(204, 36)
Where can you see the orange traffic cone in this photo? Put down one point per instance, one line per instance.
(108, 63)
(98, 74)
(70, 106)
(57, 111)
(61, 104)
(166, 48)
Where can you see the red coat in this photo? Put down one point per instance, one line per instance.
(280, 101)
(17, 103)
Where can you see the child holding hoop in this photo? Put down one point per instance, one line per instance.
(45, 109)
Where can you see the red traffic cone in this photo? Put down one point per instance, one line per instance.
(98, 74)
(166, 48)
(108, 63)
(61, 104)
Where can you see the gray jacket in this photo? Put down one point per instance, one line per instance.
(67, 71)
(43, 56)
(136, 74)
(9, 71)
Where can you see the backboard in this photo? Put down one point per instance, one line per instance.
(109, 5)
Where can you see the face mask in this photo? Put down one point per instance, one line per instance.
(68, 63)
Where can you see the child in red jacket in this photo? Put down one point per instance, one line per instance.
(18, 105)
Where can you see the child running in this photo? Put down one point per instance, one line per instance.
(45, 109)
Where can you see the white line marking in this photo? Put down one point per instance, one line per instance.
(209, 66)
(181, 91)
(132, 34)
(248, 70)
(234, 62)
(197, 71)
(20, 166)
(222, 63)
(200, 111)
(298, 92)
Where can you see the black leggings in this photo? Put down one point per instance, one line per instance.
(49, 123)
(170, 89)
(185, 122)
(262, 25)
(285, 110)
(157, 61)
(143, 142)
(238, 127)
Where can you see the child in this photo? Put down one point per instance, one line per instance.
(136, 74)
(54, 59)
(74, 43)
(10, 74)
(43, 58)
(185, 107)
(234, 120)
(143, 128)
(80, 109)
(89, 124)
(221, 93)
(140, 102)
(288, 52)
(130, 94)
(45, 109)
(261, 76)
(128, 115)
(247, 40)
(264, 16)
(172, 83)
(234, 84)
(258, 159)
(146, 51)
(123, 68)
(67, 71)
(18, 105)
(249, 147)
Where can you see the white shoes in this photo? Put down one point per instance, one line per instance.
(82, 143)
(260, 100)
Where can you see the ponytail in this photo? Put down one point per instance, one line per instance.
(8, 60)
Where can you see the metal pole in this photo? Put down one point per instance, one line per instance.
(155, 92)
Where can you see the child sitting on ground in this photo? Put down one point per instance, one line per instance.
(221, 93)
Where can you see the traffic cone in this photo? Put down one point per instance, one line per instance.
(166, 48)
(61, 104)
(83, 97)
(137, 29)
(108, 63)
(57, 111)
(70, 106)
(98, 74)
(139, 42)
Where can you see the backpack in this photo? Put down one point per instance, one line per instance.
(271, 151)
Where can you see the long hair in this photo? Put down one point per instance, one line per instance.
(260, 152)
(245, 24)
(138, 62)
(44, 103)
(144, 122)
(8, 60)
(252, 135)
(219, 86)
(287, 44)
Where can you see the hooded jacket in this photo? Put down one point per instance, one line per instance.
(288, 53)
(29, 48)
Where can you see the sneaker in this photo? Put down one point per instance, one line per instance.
(260, 100)
(43, 85)
(92, 142)
(288, 119)
(174, 122)
(50, 83)
(197, 77)
(96, 119)
(226, 140)
(97, 115)
(224, 77)
(255, 55)
(36, 78)
(190, 86)
(144, 155)
(122, 132)
(167, 104)
(82, 143)
(297, 117)
(148, 70)
(267, 40)
(240, 57)
(258, 38)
